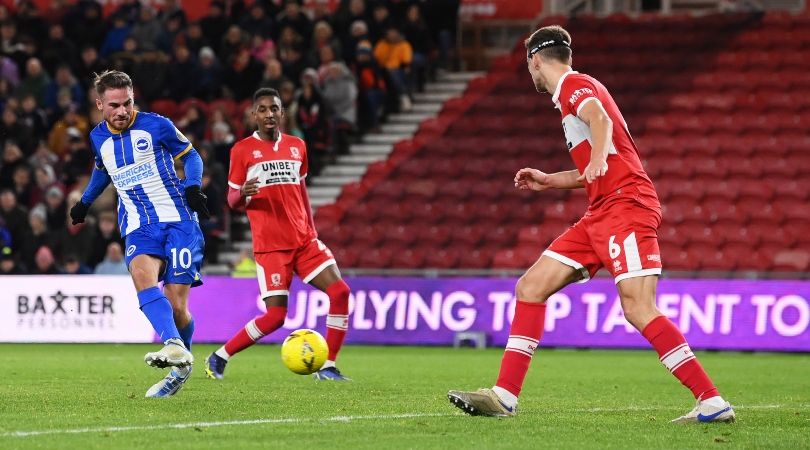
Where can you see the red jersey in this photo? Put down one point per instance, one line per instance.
(625, 176)
(278, 215)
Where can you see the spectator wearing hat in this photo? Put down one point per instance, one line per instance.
(36, 236)
(371, 92)
(55, 208)
(9, 265)
(207, 79)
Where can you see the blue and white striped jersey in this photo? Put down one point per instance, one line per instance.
(140, 163)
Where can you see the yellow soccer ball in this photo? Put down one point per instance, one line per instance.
(304, 351)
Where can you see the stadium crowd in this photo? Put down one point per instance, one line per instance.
(339, 74)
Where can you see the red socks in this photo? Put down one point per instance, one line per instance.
(257, 328)
(337, 321)
(677, 357)
(524, 337)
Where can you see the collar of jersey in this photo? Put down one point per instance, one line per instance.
(131, 121)
(278, 141)
(556, 97)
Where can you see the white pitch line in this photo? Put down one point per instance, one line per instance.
(335, 419)
(657, 408)
(217, 424)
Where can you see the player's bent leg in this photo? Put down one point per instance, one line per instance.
(254, 330)
(178, 297)
(337, 320)
(170, 384)
(638, 301)
(543, 279)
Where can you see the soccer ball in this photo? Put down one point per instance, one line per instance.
(304, 351)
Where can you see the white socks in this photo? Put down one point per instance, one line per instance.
(716, 401)
(222, 353)
(329, 363)
(508, 398)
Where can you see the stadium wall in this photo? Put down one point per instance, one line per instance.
(713, 314)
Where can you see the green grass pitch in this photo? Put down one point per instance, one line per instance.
(91, 396)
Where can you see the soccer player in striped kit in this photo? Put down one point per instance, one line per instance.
(266, 179)
(157, 214)
(618, 231)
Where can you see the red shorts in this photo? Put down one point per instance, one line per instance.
(275, 269)
(622, 237)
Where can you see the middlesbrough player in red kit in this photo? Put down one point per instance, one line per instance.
(266, 179)
(618, 232)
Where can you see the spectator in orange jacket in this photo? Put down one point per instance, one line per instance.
(394, 54)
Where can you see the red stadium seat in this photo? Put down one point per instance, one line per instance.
(165, 107)
(375, 258)
(409, 259)
(442, 259)
(227, 106)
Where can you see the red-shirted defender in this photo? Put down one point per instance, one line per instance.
(266, 179)
(618, 232)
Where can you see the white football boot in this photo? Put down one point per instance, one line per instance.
(711, 410)
(173, 354)
(483, 402)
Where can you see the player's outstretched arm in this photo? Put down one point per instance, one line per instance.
(535, 180)
(99, 180)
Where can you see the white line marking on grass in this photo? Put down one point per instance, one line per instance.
(662, 407)
(218, 424)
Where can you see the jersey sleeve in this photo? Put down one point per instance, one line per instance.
(237, 172)
(576, 93)
(173, 140)
(99, 163)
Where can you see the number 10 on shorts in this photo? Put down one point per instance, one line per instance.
(184, 258)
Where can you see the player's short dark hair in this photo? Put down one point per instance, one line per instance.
(552, 42)
(265, 92)
(111, 79)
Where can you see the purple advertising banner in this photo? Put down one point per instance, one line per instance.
(713, 314)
